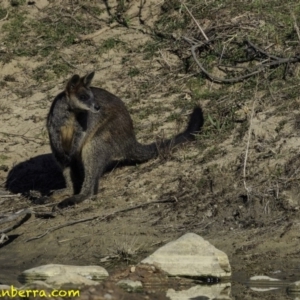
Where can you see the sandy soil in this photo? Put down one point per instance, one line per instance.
(254, 219)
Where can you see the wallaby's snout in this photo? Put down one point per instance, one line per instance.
(95, 108)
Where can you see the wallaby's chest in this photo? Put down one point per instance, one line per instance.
(67, 133)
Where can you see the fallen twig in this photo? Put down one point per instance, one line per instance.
(5, 18)
(3, 238)
(68, 63)
(28, 213)
(296, 25)
(90, 36)
(198, 25)
(100, 218)
(27, 139)
(261, 51)
(11, 217)
(247, 188)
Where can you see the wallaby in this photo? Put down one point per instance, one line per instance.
(89, 128)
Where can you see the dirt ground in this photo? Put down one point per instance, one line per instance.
(237, 185)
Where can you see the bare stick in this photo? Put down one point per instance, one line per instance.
(296, 25)
(11, 217)
(90, 36)
(27, 139)
(198, 25)
(258, 69)
(3, 238)
(100, 218)
(262, 51)
(68, 63)
(19, 223)
(248, 142)
(5, 18)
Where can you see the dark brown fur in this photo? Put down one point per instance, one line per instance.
(89, 128)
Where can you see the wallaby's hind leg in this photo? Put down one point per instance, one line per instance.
(92, 172)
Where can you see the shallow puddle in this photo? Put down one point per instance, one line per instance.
(240, 287)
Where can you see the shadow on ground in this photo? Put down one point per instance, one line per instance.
(40, 174)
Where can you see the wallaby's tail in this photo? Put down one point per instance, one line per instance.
(141, 153)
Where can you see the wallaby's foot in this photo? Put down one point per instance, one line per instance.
(56, 196)
(65, 203)
(42, 200)
(71, 201)
(61, 205)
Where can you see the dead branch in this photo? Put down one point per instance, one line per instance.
(198, 25)
(3, 238)
(87, 10)
(27, 139)
(11, 217)
(261, 51)
(68, 63)
(247, 188)
(100, 218)
(27, 213)
(258, 69)
(5, 18)
(296, 25)
(90, 36)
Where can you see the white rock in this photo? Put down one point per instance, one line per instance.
(190, 255)
(265, 282)
(263, 278)
(70, 280)
(37, 284)
(46, 271)
(4, 287)
(294, 287)
(216, 291)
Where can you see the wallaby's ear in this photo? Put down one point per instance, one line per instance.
(73, 82)
(87, 80)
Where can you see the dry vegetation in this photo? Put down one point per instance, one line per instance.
(238, 185)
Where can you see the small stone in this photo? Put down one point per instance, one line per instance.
(47, 271)
(130, 284)
(132, 269)
(294, 287)
(216, 291)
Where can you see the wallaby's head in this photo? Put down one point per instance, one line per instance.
(79, 94)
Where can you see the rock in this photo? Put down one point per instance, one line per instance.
(35, 285)
(263, 278)
(264, 283)
(191, 256)
(47, 271)
(202, 292)
(130, 285)
(69, 280)
(4, 287)
(294, 288)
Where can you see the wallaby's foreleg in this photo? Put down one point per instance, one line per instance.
(92, 172)
(68, 190)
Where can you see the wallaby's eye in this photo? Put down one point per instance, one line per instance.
(84, 97)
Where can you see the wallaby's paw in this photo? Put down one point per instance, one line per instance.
(63, 204)
(42, 200)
